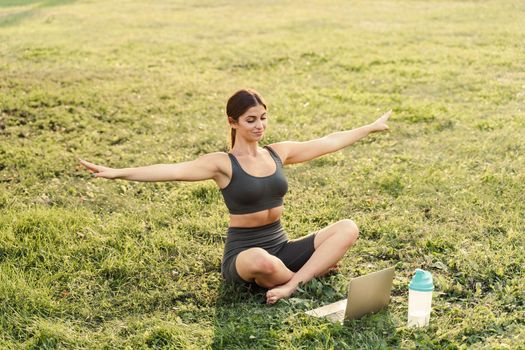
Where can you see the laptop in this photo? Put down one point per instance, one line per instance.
(366, 294)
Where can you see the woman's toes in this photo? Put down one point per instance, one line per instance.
(280, 292)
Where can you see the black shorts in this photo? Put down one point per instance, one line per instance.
(293, 253)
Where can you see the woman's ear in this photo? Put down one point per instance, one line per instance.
(231, 121)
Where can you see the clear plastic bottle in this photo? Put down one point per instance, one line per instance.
(420, 298)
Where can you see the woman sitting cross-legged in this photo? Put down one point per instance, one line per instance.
(253, 185)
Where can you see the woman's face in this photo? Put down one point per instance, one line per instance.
(251, 124)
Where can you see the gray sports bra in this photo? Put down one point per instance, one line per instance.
(248, 194)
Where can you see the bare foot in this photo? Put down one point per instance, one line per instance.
(279, 292)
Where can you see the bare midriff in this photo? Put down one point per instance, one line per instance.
(260, 218)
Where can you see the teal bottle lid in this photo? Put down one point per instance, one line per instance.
(422, 281)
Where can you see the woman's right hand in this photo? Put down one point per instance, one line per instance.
(99, 170)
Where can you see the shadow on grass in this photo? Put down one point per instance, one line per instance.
(29, 9)
(244, 321)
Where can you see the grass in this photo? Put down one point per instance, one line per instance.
(93, 264)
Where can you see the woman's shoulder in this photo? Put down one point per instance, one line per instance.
(279, 148)
(219, 159)
(215, 156)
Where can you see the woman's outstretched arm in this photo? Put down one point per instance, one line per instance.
(297, 152)
(203, 168)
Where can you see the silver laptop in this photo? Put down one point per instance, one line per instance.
(366, 294)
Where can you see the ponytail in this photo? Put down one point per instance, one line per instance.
(232, 138)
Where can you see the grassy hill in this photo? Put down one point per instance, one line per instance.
(92, 264)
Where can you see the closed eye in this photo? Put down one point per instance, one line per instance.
(253, 118)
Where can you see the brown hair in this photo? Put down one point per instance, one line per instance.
(239, 103)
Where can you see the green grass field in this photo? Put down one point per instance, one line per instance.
(92, 264)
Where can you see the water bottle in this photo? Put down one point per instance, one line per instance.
(420, 298)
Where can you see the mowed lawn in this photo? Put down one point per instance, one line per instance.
(94, 264)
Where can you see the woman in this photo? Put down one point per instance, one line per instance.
(252, 183)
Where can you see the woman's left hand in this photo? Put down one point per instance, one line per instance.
(380, 124)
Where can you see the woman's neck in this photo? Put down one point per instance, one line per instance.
(243, 148)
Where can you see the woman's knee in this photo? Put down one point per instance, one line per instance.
(349, 231)
(260, 261)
